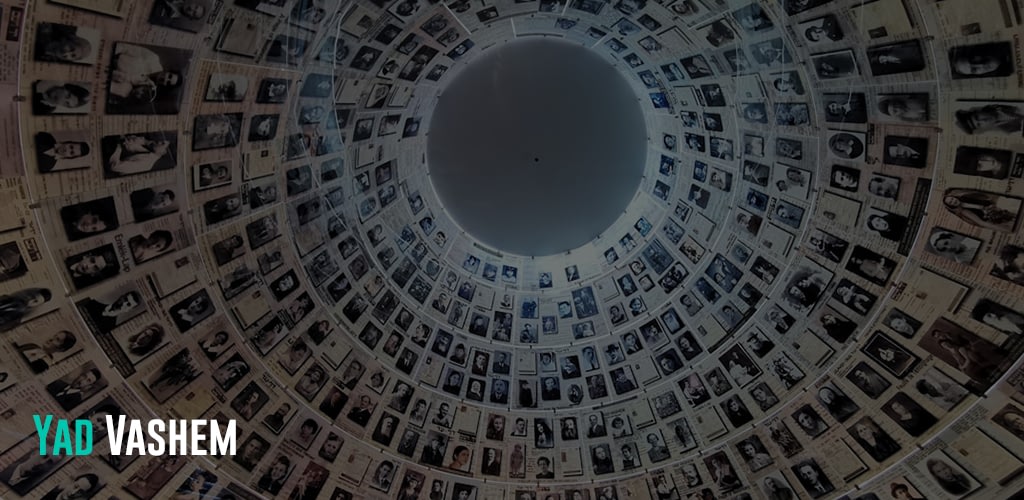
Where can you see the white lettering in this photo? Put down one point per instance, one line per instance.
(155, 428)
(178, 436)
(135, 439)
(115, 434)
(170, 437)
(222, 444)
(198, 437)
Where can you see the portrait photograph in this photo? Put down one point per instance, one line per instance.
(848, 107)
(146, 79)
(846, 145)
(870, 265)
(132, 154)
(78, 386)
(884, 186)
(216, 131)
(835, 65)
(51, 97)
(62, 43)
(89, 218)
(890, 355)
(63, 150)
(983, 162)
(185, 15)
(226, 87)
(905, 151)
(820, 30)
(93, 266)
(951, 245)
(192, 310)
(983, 209)
(903, 108)
(272, 91)
(948, 475)
(979, 359)
(895, 58)
(983, 60)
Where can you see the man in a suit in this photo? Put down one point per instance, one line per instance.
(49, 152)
(40, 358)
(71, 394)
(108, 316)
(813, 479)
(545, 472)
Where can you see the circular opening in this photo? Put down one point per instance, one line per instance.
(519, 103)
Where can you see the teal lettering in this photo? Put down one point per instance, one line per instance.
(62, 438)
(83, 437)
(43, 430)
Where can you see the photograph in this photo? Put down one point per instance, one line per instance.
(983, 209)
(62, 43)
(93, 266)
(948, 475)
(184, 15)
(845, 108)
(868, 380)
(905, 151)
(952, 245)
(63, 150)
(890, 355)
(904, 108)
(125, 155)
(813, 479)
(226, 87)
(51, 97)
(983, 162)
(885, 224)
(835, 65)
(146, 79)
(89, 218)
(900, 57)
(216, 131)
(980, 359)
(984, 117)
(846, 145)
(983, 60)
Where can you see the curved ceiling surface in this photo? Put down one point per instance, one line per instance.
(537, 147)
(238, 211)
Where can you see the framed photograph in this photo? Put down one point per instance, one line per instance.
(890, 355)
(224, 87)
(172, 376)
(904, 108)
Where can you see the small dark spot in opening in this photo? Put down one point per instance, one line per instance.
(535, 160)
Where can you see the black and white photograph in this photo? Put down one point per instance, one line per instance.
(63, 150)
(890, 355)
(146, 79)
(51, 97)
(951, 245)
(983, 162)
(216, 131)
(89, 218)
(180, 14)
(905, 151)
(895, 58)
(835, 65)
(965, 351)
(62, 43)
(132, 154)
(93, 266)
(983, 60)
